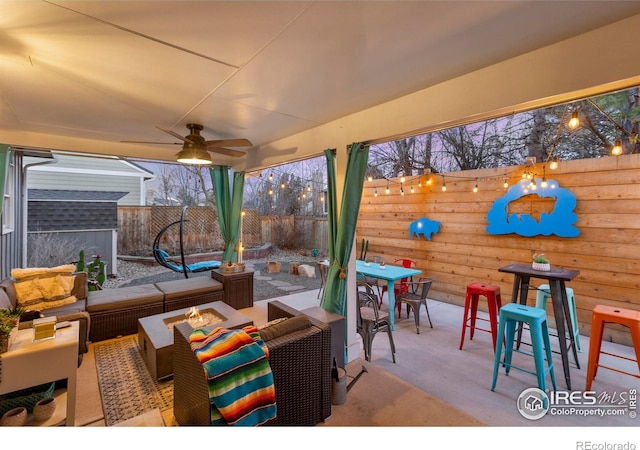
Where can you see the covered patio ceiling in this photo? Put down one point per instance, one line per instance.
(84, 76)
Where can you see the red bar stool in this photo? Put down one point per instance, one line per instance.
(494, 301)
(600, 316)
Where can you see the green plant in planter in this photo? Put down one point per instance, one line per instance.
(96, 271)
(9, 319)
(540, 258)
(364, 248)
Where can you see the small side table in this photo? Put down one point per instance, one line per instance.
(238, 287)
(337, 324)
(29, 363)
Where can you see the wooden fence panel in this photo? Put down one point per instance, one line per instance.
(607, 251)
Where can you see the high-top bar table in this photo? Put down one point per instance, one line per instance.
(556, 278)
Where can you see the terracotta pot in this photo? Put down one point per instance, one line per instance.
(15, 417)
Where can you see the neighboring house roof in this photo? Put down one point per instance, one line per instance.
(78, 196)
(64, 210)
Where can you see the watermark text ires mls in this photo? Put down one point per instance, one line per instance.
(534, 404)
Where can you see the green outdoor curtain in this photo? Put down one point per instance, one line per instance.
(229, 206)
(342, 229)
(5, 157)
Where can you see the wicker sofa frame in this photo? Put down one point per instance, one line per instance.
(110, 313)
(300, 362)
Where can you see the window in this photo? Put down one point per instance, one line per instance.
(8, 205)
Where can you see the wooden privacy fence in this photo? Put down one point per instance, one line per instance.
(139, 225)
(606, 252)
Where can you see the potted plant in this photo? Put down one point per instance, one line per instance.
(9, 320)
(540, 262)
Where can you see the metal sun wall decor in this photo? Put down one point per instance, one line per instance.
(559, 222)
(425, 227)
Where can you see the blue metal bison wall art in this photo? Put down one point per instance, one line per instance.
(424, 227)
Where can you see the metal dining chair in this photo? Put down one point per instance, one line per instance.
(370, 320)
(402, 285)
(322, 269)
(415, 295)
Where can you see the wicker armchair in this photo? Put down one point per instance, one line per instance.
(300, 362)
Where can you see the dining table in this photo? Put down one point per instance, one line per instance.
(556, 278)
(387, 272)
(390, 274)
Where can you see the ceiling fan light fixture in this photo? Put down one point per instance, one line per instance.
(194, 156)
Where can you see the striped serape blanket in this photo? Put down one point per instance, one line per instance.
(241, 389)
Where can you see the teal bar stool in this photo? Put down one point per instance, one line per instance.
(510, 315)
(544, 293)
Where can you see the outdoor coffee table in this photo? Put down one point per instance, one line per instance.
(155, 333)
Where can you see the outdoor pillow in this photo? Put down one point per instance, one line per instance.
(44, 288)
(287, 326)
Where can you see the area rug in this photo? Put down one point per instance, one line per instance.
(126, 386)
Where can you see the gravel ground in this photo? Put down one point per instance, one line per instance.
(135, 274)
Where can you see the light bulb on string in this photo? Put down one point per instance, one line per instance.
(271, 176)
(369, 178)
(402, 180)
(444, 185)
(506, 183)
(386, 191)
(375, 192)
(553, 165)
(575, 120)
(412, 190)
(475, 188)
(616, 150)
(308, 188)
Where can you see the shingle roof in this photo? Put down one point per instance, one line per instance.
(77, 196)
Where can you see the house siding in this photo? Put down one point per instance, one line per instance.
(10, 243)
(85, 173)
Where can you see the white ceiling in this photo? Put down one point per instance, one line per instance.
(113, 70)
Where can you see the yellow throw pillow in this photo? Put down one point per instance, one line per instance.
(43, 288)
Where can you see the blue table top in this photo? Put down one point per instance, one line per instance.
(388, 273)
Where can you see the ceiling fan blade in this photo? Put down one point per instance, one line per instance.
(174, 134)
(227, 151)
(228, 143)
(152, 143)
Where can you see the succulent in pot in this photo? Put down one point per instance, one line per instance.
(540, 262)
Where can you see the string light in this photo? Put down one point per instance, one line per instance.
(370, 178)
(444, 184)
(375, 192)
(475, 188)
(412, 191)
(575, 120)
(386, 191)
(506, 183)
(616, 150)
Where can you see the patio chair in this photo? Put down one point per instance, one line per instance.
(322, 269)
(370, 321)
(415, 294)
(402, 285)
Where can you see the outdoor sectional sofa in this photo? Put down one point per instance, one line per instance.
(109, 313)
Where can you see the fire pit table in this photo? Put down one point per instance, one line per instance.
(155, 333)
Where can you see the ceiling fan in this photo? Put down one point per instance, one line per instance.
(195, 147)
